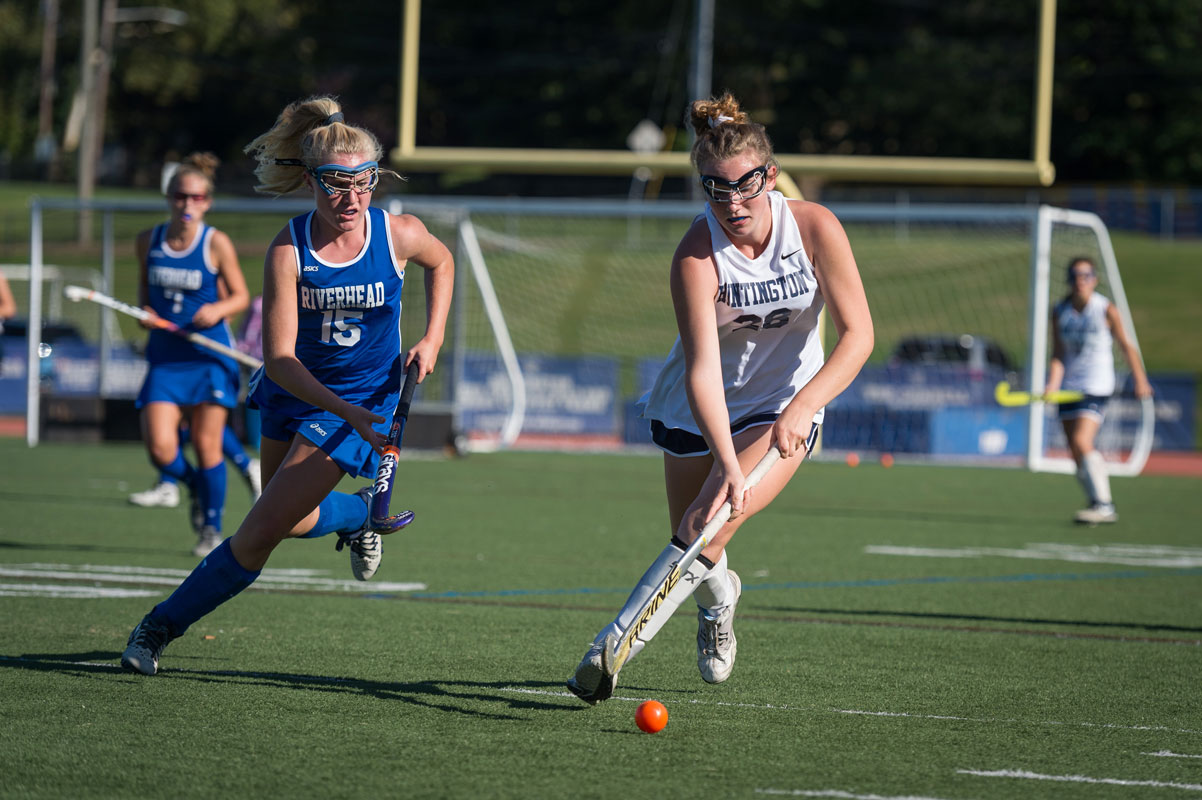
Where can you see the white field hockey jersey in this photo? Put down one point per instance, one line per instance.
(767, 310)
(1088, 346)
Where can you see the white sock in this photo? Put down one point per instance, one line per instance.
(1099, 477)
(650, 583)
(716, 590)
(1086, 483)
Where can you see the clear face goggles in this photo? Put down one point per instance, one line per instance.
(338, 179)
(746, 187)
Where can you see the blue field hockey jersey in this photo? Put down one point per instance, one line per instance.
(179, 282)
(348, 318)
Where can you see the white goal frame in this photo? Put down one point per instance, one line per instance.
(1041, 272)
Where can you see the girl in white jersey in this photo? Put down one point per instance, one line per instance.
(1085, 327)
(747, 373)
(331, 376)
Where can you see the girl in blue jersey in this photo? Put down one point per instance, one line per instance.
(190, 277)
(333, 362)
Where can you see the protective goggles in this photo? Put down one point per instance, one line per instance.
(338, 179)
(748, 186)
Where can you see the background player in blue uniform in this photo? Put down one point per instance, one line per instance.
(183, 264)
(333, 362)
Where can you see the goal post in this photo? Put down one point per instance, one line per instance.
(1058, 232)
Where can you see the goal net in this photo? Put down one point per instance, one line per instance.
(957, 300)
(562, 317)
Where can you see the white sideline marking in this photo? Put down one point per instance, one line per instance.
(841, 794)
(1170, 754)
(289, 579)
(1035, 776)
(73, 592)
(1124, 554)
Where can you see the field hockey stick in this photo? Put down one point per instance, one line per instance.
(1008, 398)
(617, 649)
(78, 293)
(380, 521)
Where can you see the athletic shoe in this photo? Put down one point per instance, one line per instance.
(145, 645)
(589, 682)
(254, 480)
(162, 495)
(716, 644)
(207, 541)
(366, 548)
(1097, 514)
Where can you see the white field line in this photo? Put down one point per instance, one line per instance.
(1035, 776)
(1170, 754)
(73, 592)
(1121, 554)
(900, 714)
(840, 794)
(294, 580)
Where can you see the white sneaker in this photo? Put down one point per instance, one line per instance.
(366, 548)
(589, 682)
(254, 480)
(716, 644)
(1096, 514)
(206, 541)
(162, 495)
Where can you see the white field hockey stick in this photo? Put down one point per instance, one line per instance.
(617, 649)
(78, 293)
(1008, 398)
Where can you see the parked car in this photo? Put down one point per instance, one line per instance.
(977, 353)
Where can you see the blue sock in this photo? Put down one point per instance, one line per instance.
(216, 579)
(165, 478)
(233, 449)
(180, 469)
(212, 494)
(338, 513)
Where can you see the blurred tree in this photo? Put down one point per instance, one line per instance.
(886, 77)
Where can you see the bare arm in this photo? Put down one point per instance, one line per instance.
(279, 344)
(1056, 366)
(414, 243)
(236, 297)
(142, 249)
(8, 305)
(1143, 388)
(843, 291)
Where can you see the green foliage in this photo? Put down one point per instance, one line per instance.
(885, 78)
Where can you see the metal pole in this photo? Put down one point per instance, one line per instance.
(410, 40)
(33, 331)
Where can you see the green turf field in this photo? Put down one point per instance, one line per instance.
(912, 632)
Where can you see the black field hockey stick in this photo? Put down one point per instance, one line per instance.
(617, 648)
(381, 522)
(78, 293)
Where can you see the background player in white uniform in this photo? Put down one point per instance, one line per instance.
(1085, 328)
(331, 300)
(748, 280)
(190, 276)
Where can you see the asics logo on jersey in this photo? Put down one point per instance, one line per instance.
(317, 428)
(312, 269)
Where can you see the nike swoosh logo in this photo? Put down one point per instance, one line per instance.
(787, 256)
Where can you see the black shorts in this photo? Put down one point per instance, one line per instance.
(685, 443)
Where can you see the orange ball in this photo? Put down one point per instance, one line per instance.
(651, 716)
(886, 460)
(853, 460)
